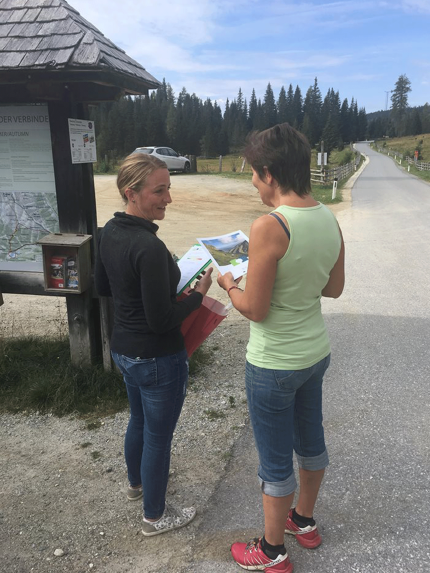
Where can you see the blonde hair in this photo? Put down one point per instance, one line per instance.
(135, 170)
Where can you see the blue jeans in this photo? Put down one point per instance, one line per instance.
(285, 408)
(156, 389)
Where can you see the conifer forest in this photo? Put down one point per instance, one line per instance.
(195, 127)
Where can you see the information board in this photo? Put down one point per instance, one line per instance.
(28, 201)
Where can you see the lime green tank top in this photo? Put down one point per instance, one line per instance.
(293, 335)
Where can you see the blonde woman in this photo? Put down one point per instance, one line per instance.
(137, 270)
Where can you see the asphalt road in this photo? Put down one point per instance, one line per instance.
(374, 507)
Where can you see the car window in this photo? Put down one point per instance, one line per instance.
(172, 153)
(147, 150)
(162, 151)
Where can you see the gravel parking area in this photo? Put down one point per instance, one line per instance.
(62, 495)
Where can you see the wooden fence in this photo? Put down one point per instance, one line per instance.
(328, 176)
(420, 165)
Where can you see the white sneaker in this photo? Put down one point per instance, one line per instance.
(172, 518)
(134, 493)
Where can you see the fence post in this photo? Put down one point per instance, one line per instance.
(220, 164)
(243, 165)
(333, 195)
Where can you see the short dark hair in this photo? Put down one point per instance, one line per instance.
(286, 154)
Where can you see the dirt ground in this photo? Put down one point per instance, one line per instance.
(203, 205)
(62, 503)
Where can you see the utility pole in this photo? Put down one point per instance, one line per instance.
(386, 99)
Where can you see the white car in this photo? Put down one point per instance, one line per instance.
(173, 160)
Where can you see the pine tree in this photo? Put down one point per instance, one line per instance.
(252, 112)
(290, 105)
(297, 111)
(330, 135)
(282, 106)
(399, 103)
(312, 113)
(344, 121)
(362, 125)
(269, 108)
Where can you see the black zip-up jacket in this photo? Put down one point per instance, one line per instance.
(136, 269)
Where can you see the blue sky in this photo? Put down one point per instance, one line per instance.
(214, 47)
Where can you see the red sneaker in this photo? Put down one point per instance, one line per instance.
(307, 536)
(250, 556)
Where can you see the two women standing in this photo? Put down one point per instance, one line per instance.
(296, 256)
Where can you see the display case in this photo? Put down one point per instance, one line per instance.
(66, 262)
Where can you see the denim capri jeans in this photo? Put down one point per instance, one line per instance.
(285, 408)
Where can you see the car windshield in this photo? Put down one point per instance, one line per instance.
(144, 150)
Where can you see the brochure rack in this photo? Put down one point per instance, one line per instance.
(66, 262)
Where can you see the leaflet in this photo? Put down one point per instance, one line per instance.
(191, 265)
(229, 252)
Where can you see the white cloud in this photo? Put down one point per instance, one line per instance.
(213, 47)
(422, 6)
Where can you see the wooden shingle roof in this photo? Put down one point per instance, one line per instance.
(50, 39)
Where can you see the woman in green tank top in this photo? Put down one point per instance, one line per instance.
(296, 256)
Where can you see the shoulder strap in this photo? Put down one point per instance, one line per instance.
(282, 223)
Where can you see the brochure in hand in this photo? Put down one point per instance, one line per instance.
(227, 252)
(191, 265)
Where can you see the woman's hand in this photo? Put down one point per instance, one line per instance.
(226, 281)
(204, 281)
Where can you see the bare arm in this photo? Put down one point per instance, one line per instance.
(267, 244)
(336, 282)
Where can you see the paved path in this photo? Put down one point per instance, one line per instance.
(374, 506)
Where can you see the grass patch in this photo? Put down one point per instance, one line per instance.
(93, 425)
(230, 164)
(201, 357)
(214, 415)
(36, 375)
(424, 175)
(408, 144)
(323, 194)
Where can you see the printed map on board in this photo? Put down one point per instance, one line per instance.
(28, 204)
(24, 219)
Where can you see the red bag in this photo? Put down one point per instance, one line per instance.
(201, 322)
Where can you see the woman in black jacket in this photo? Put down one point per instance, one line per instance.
(137, 270)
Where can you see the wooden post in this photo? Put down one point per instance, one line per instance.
(333, 194)
(106, 320)
(193, 164)
(220, 164)
(77, 214)
(243, 166)
(322, 160)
